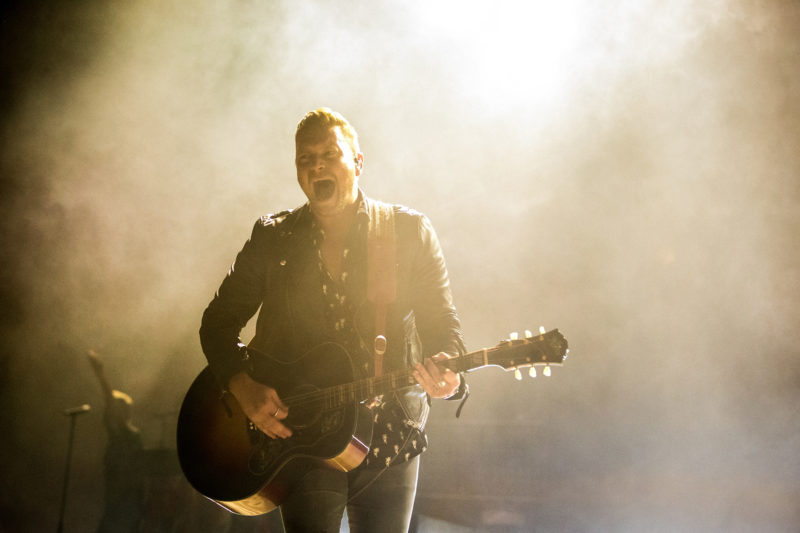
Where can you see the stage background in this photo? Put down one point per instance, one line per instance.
(628, 173)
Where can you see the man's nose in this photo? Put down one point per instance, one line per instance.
(317, 162)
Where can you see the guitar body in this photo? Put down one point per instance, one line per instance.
(229, 461)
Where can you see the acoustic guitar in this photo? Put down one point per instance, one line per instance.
(228, 460)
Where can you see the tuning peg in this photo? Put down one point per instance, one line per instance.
(546, 371)
(513, 335)
(528, 334)
(542, 331)
(517, 375)
(532, 371)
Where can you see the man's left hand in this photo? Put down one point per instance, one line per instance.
(437, 383)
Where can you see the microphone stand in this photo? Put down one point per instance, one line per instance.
(72, 413)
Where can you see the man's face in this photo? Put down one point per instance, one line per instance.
(327, 170)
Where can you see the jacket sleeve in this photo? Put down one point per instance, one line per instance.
(437, 322)
(237, 300)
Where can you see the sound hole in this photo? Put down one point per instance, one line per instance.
(306, 410)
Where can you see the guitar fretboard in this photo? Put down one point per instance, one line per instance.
(548, 348)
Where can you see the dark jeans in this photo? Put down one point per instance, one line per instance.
(384, 504)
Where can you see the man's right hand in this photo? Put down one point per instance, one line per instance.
(260, 404)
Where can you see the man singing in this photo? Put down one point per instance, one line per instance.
(312, 272)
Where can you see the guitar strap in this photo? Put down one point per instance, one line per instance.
(381, 272)
(382, 280)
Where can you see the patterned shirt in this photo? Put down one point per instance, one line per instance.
(395, 438)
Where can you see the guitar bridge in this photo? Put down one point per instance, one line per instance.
(264, 456)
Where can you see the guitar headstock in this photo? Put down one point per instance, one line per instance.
(546, 348)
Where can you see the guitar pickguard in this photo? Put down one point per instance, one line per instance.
(268, 454)
(331, 421)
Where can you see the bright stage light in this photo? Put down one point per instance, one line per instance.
(507, 52)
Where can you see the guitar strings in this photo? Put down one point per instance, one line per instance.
(363, 389)
(356, 390)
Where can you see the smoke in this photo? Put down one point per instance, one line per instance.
(627, 174)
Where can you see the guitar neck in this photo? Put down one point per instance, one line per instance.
(107, 394)
(509, 355)
(97, 367)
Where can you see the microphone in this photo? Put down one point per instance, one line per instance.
(79, 410)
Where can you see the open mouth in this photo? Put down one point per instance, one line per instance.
(324, 189)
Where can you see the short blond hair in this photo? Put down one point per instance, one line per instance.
(325, 117)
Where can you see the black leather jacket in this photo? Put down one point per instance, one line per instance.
(272, 270)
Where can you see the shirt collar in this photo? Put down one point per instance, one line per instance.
(363, 211)
(362, 214)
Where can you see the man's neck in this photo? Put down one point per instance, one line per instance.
(335, 229)
(337, 226)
